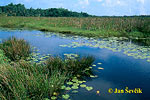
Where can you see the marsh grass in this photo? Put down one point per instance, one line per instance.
(26, 81)
(90, 26)
(15, 49)
(72, 66)
(3, 58)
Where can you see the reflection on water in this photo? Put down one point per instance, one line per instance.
(120, 71)
(145, 42)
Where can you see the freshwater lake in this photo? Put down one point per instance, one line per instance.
(125, 64)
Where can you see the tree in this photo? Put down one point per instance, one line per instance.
(20, 10)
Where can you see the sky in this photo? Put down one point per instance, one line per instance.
(93, 7)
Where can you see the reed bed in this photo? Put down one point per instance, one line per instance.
(16, 49)
(90, 26)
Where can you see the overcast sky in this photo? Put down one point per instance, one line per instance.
(94, 7)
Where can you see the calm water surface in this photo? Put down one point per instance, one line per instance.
(120, 71)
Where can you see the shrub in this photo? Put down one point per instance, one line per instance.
(15, 49)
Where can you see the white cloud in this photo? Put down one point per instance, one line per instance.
(27, 0)
(142, 8)
(99, 0)
(84, 3)
(141, 1)
(112, 3)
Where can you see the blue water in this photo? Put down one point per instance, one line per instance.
(120, 71)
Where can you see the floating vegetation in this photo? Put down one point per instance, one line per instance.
(71, 56)
(63, 87)
(82, 85)
(99, 63)
(53, 97)
(68, 88)
(74, 91)
(100, 68)
(92, 76)
(116, 45)
(74, 87)
(69, 83)
(94, 65)
(89, 88)
(35, 56)
(66, 96)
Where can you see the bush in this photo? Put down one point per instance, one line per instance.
(15, 49)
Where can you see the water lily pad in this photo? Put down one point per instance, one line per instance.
(69, 83)
(53, 97)
(63, 87)
(74, 91)
(89, 88)
(100, 68)
(99, 63)
(83, 81)
(46, 99)
(94, 65)
(68, 88)
(80, 82)
(75, 84)
(66, 96)
(74, 87)
(82, 85)
(90, 67)
(92, 76)
(75, 80)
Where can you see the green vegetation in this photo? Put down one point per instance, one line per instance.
(136, 27)
(114, 44)
(16, 49)
(72, 66)
(27, 81)
(3, 58)
(31, 81)
(20, 10)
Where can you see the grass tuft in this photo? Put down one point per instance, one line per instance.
(26, 81)
(15, 49)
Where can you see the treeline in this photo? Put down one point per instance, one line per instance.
(20, 10)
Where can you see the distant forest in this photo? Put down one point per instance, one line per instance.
(20, 10)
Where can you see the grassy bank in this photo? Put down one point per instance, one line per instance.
(99, 27)
(25, 80)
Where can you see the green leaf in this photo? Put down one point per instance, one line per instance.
(82, 85)
(89, 88)
(53, 97)
(68, 88)
(66, 96)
